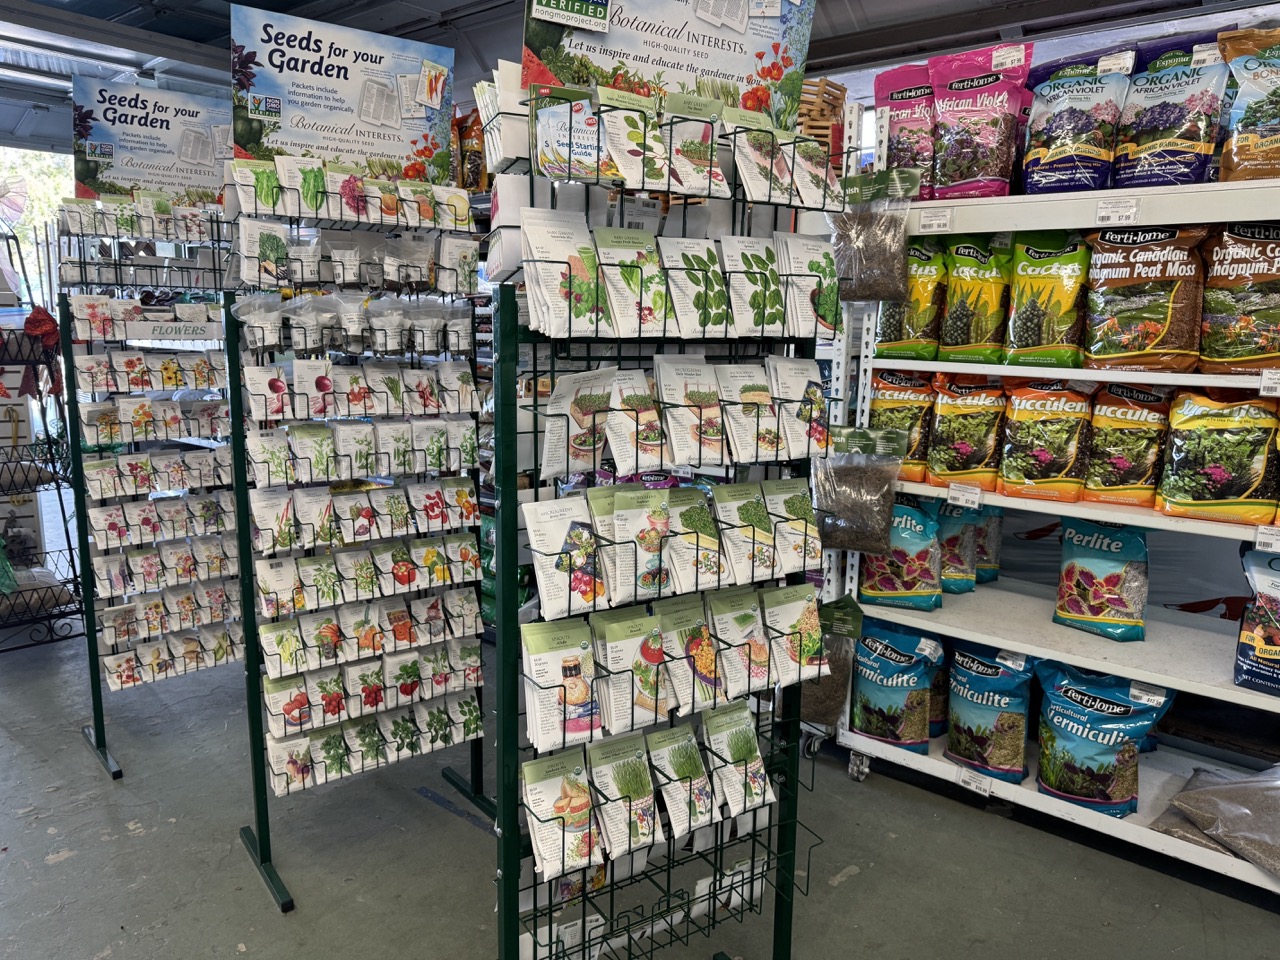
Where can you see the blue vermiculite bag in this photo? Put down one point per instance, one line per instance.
(990, 694)
(894, 666)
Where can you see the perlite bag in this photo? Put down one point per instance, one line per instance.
(1046, 440)
(964, 441)
(957, 539)
(1129, 425)
(910, 574)
(990, 694)
(978, 273)
(1240, 324)
(909, 330)
(987, 536)
(891, 684)
(1102, 583)
(1047, 299)
(904, 401)
(1090, 728)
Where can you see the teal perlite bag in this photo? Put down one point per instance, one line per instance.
(1091, 728)
(1102, 587)
(988, 534)
(894, 668)
(910, 574)
(990, 696)
(958, 540)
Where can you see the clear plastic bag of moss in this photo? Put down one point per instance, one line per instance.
(824, 699)
(1243, 816)
(854, 496)
(1174, 823)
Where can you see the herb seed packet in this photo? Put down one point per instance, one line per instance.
(288, 706)
(798, 392)
(733, 754)
(291, 766)
(634, 282)
(791, 619)
(747, 532)
(279, 588)
(430, 445)
(319, 578)
(696, 284)
(465, 659)
(463, 440)
(560, 683)
(790, 508)
(401, 734)
(755, 288)
(644, 560)
(562, 825)
(269, 459)
(693, 661)
(634, 691)
(623, 794)
(313, 452)
(272, 513)
(565, 558)
(633, 425)
(695, 164)
(683, 780)
(694, 421)
(751, 417)
(760, 156)
(807, 269)
(366, 746)
(744, 645)
(354, 446)
(573, 439)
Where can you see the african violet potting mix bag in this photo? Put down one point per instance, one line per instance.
(1240, 325)
(1046, 432)
(1250, 151)
(910, 574)
(990, 694)
(901, 400)
(1258, 647)
(1126, 441)
(909, 331)
(1220, 461)
(891, 684)
(1090, 728)
(977, 99)
(964, 441)
(1046, 303)
(979, 268)
(905, 97)
(1102, 586)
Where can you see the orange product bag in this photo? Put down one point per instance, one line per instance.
(901, 400)
(964, 440)
(1046, 439)
(1129, 426)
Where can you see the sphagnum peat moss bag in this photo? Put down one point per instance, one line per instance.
(893, 669)
(1047, 300)
(1090, 729)
(909, 331)
(1240, 324)
(1102, 581)
(978, 273)
(1046, 440)
(989, 696)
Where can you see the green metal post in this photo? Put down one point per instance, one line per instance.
(96, 734)
(257, 842)
(786, 729)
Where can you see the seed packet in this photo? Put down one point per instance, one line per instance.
(904, 401)
(320, 582)
(904, 96)
(811, 291)
(466, 661)
(362, 622)
(430, 445)
(797, 389)
(279, 589)
(457, 387)
(633, 690)
(152, 620)
(1046, 439)
(322, 634)
(574, 433)
(269, 462)
(391, 512)
(1090, 729)
(313, 518)
(121, 670)
(957, 539)
(697, 556)
(95, 373)
(744, 661)
(1126, 444)
(283, 652)
(566, 562)
(1103, 584)
(682, 779)
(566, 289)
(427, 506)
(1169, 122)
(100, 423)
(561, 685)
(789, 505)
(910, 574)
(117, 627)
(751, 418)
(366, 747)
(401, 733)
(1241, 325)
(1248, 106)
(756, 301)
(694, 420)
(155, 662)
(397, 572)
(977, 98)
(142, 521)
(272, 513)
(386, 387)
(696, 286)
(760, 156)
(964, 438)
(909, 331)
(634, 282)
(289, 709)
(1046, 310)
(103, 479)
(1072, 125)
(890, 700)
(562, 824)
(624, 796)
(747, 532)
(795, 635)
(354, 517)
(978, 273)
(185, 653)
(354, 450)
(990, 696)
(329, 754)
(359, 575)
(1220, 460)
(690, 129)
(987, 536)
(692, 654)
(208, 516)
(633, 424)
(733, 755)
(399, 632)
(111, 576)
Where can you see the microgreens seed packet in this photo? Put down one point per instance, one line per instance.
(694, 420)
(624, 796)
(574, 435)
(795, 634)
(644, 559)
(760, 156)
(756, 296)
(811, 291)
(560, 683)
(789, 507)
(751, 418)
(745, 663)
(696, 283)
(634, 139)
(696, 553)
(634, 282)
(682, 779)
(733, 754)
(693, 659)
(748, 532)
(601, 504)
(633, 425)
(562, 824)
(695, 161)
(797, 389)
(565, 557)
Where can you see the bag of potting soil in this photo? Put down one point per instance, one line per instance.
(977, 96)
(891, 684)
(1046, 439)
(1126, 442)
(910, 574)
(1102, 583)
(938, 698)
(906, 99)
(1090, 728)
(990, 696)
(1240, 329)
(1250, 151)
(1258, 649)
(909, 331)
(1169, 122)
(904, 401)
(987, 536)
(978, 273)
(1220, 460)
(1224, 127)
(964, 440)
(957, 538)
(1145, 287)
(1047, 299)
(1071, 136)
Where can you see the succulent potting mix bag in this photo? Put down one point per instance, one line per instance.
(977, 99)
(1046, 299)
(891, 684)
(978, 274)
(1258, 649)
(1145, 287)
(1071, 134)
(1090, 728)
(1220, 461)
(964, 440)
(901, 400)
(990, 693)
(957, 539)
(910, 574)
(987, 536)
(1169, 123)
(1046, 439)
(1102, 584)
(909, 331)
(1250, 151)
(1129, 425)
(1240, 329)
(906, 97)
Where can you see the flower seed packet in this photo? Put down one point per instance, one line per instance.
(168, 370)
(313, 452)
(695, 280)
(811, 290)
(643, 559)
(137, 419)
(798, 392)
(95, 373)
(209, 516)
(180, 606)
(201, 371)
(170, 472)
(573, 439)
(320, 582)
(132, 372)
(283, 652)
(402, 735)
(359, 575)
(269, 461)
(291, 766)
(137, 474)
(791, 619)
(279, 589)
(117, 626)
(634, 282)
(760, 156)
(150, 615)
(682, 778)
(755, 288)
(102, 479)
(144, 522)
(751, 418)
(272, 513)
(395, 448)
(313, 518)
(354, 516)
(121, 670)
(623, 794)
(313, 395)
(562, 825)
(392, 514)
(354, 448)
(633, 425)
(736, 624)
(690, 128)
(100, 423)
(560, 683)
(790, 508)
(747, 531)
(633, 693)
(210, 560)
(111, 576)
(694, 421)
(733, 754)
(565, 558)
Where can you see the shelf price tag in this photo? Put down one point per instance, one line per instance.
(935, 220)
(1117, 213)
(973, 780)
(963, 495)
(1268, 539)
(1269, 383)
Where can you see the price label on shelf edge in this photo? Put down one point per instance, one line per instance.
(1121, 212)
(973, 780)
(935, 220)
(1269, 383)
(963, 495)
(1267, 538)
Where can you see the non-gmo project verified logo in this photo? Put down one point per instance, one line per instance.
(100, 151)
(264, 107)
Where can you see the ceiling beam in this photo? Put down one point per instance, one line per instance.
(45, 144)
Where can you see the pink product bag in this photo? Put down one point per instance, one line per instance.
(907, 95)
(977, 98)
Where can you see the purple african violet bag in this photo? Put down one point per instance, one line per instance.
(905, 93)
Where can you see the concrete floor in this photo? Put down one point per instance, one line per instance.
(150, 867)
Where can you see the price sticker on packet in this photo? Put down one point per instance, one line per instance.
(965, 496)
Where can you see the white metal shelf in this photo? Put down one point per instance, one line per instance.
(1148, 519)
(1152, 206)
(1160, 776)
(1249, 381)
(1182, 651)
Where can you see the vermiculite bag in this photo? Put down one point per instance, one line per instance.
(891, 684)
(990, 695)
(1102, 586)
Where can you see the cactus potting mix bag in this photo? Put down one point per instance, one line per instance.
(978, 274)
(987, 537)
(1220, 460)
(1169, 123)
(1145, 286)
(957, 538)
(1126, 442)
(910, 574)
(909, 330)
(1102, 583)
(1250, 151)
(894, 666)
(1071, 135)
(901, 400)
(1090, 728)
(990, 693)
(1046, 439)
(1240, 329)
(1047, 299)
(1258, 649)
(964, 441)
(977, 96)
(904, 97)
